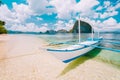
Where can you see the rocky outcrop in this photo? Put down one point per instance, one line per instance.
(84, 27)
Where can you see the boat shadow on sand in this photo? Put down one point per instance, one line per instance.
(80, 60)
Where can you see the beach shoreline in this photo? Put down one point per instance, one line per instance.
(24, 57)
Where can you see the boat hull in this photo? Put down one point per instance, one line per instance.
(67, 55)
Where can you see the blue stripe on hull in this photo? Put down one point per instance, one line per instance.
(68, 60)
(66, 49)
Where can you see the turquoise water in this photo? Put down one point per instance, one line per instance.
(61, 38)
(110, 40)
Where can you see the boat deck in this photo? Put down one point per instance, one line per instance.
(75, 47)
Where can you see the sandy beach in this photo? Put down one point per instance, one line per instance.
(23, 57)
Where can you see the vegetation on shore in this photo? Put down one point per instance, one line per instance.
(2, 28)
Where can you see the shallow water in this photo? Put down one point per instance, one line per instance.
(38, 65)
(110, 40)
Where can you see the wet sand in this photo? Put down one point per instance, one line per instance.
(25, 58)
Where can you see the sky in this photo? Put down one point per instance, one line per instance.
(43, 15)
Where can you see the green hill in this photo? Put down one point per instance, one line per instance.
(84, 27)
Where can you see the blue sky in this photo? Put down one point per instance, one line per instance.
(42, 15)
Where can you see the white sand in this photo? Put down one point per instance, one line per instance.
(24, 58)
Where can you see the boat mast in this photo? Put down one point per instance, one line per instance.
(79, 28)
(92, 35)
(98, 33)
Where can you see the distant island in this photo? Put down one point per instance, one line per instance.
(47, 32)
(85, 28)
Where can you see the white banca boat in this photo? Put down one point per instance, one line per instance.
(73, 51)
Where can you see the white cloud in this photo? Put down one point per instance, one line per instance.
(21, 12)
(102, 26)
(99, 8)
(110, 10)
(43, 29)
(85, 5)
(117, 6)
(108, 14)
(110, 22)
(38, 18)
(40, 6)
(18, 14)
(95, 15)
(64, 25)
(69, 25)
(68, 9)
(45, 24)
(111, 29)
(63, 8)
(109, 5)
(29, 27)
(59, 25)
(113, 8)
(106, 4)
(109, 25)
(16, 17)
(18, 27)
(6, 14)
